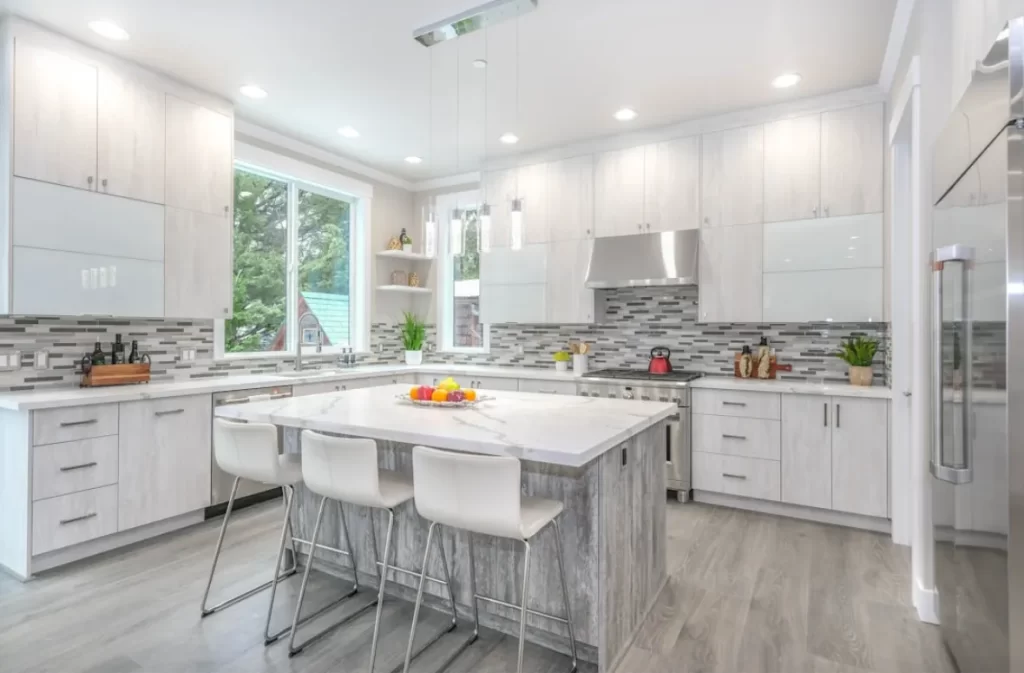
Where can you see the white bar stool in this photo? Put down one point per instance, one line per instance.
(482, 494)
(251, 451)
(346, 470)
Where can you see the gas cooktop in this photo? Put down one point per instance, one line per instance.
(642, 375)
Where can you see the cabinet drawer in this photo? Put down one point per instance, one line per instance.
(733, 475)
(730, 403)
(59, 469)
(547, 387)
(736, 436)
(492, 383)
(70, 519)
(51, 426)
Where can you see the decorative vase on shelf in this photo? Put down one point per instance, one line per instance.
(561, 366)
(861, 376)
(579, 364)
(413, 357)
(394, 243)
(406, 241)
(414, 279)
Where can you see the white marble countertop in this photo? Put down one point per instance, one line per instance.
(798, 387)
(554, 429)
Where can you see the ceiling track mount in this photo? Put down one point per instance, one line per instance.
(471, 20)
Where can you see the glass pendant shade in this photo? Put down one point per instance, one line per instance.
(517, 224)
(429, 233)
(484, 235)
(456, 242)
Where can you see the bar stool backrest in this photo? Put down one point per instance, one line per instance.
(341, 468)
(477, 493)
(247, 450)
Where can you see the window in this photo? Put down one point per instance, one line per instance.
(461, 328)
(293, 258)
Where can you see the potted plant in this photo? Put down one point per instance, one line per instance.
(562, 361)
(413, 334)
(859, 352)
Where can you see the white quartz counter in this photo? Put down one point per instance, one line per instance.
(554, 429)
(799, 387)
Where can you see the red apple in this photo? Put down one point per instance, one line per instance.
(456, 396)
(426, 392)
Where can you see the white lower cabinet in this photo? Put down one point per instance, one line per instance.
(806, 451)
(77, 517)
(735, 475)
(164, 456)
(547, 387)
(860, 456)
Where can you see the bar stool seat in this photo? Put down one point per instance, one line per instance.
(395, 488)
(290, 468)
(536, 513)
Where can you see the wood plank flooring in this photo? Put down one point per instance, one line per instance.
(747, 593)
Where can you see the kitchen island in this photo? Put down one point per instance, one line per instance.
(603, 458)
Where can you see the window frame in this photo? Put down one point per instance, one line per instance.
(300, 176)
(444, 204)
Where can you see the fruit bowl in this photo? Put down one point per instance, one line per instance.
(446, 404)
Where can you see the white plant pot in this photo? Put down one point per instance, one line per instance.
(579, 364)
(561, 365)
(407, 247)
(413, 357)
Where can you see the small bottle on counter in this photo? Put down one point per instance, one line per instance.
(133, 357)
(746, 363)
(98, 357)
(117, 351)
(764, 363)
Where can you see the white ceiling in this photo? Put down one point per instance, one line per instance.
(329, 63)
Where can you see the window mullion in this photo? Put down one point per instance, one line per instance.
(294, 339)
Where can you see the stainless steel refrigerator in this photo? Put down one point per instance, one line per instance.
(977, 442)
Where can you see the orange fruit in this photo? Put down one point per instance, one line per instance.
(439, 396)
(470, 395)
(414, 393)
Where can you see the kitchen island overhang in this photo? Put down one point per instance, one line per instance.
(604, 459)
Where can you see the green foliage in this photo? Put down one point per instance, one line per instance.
(467, 265)
(858, 351)
(414, 332)
(260, 240)
(562, 356)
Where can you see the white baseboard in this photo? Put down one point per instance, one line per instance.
(794, 511)
(927, 603)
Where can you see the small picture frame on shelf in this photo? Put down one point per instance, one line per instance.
(399, 278)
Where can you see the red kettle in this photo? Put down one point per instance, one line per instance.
(660, 363)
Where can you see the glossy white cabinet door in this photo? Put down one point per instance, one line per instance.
(852, 161)
(568, 301)
(672, 185)
(619, 192)
(533, 190)
(570, 198)
(807, 451)
(792, 169)
(200, 151)
(164, 458)
(730, 274)
(53, 282)
(732, 177)
(198, 265)
(860, 456)
(824, 243)
(499, 188)
(56, 217)
(844, 295)
(505, 266)
(981, 227)
(131, 138)
(54, 117)
(523, 303)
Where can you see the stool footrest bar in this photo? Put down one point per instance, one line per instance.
(251, 592)
(535, 613)
(413, 573)
(292, 651)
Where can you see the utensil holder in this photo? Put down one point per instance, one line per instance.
(579, 364)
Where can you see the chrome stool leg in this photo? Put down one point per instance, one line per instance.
(289, 494)
(207, 611)
(383, 580)
(296, 621)
(565, 595)
(523, 611)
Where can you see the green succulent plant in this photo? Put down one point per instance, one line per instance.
(414, 332)
(858, 351)
(561, 356)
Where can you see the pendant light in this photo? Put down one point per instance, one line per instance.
(516, 220)
(429, 232)
(483, 239)
(429, 218)
(483, 233)
(457, 234)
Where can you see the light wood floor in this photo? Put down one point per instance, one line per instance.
(747, 593)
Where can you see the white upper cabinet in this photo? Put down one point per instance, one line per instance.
(730, 274)
(568, 300)
(672, 185)
(131, 138)
(792, 169)
(732, 177)
(619, 192)
(533, 191)
(818, 244)
(499, 190)
(54, 117)
(199, 158)
(841, 295)
(851, 161)
(570, 198)
(198, 265)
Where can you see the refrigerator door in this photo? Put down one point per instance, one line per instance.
(972, 271)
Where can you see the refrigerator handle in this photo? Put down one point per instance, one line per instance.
(955, 474)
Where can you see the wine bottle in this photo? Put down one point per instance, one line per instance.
(133, 357)
(117, 352)
(98, 358)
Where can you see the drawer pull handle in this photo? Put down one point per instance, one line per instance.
(69, 468)
(734, 437)
(733, 476)
(65, 522)
(547, 392)
(735, 404)
(169, 412)
(71, 424)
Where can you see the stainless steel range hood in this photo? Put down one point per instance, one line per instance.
(668, 258)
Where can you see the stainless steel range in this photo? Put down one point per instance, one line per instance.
(637, 384)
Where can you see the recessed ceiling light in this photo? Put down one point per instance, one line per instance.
(413, 160)
(109, 30)
(509, 138)
(348, 132)
(625, 114)
(786, 81)
(480, 63)
(253, 91)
